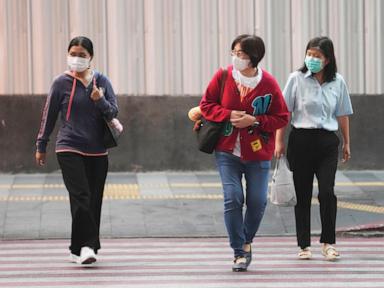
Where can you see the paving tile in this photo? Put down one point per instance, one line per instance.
(151, 184)
(168, 216)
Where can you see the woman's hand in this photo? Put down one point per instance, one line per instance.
(235, 114)
(240, 119)
(97, 93)
(346, 153)
(279, 149)
(344, 125)
(40, 158)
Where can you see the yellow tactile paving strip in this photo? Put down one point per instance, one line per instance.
(132, 192)
(171, 185)
(361, 207)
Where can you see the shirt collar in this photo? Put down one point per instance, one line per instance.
(258, 76)
(307, 74)
(250, 82)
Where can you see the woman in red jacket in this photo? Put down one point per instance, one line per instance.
(253, 108)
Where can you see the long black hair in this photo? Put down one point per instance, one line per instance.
(325, 45)
(84, 42)
(251, 45)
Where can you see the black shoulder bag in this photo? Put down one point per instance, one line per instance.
(111, 131)
(209, 132)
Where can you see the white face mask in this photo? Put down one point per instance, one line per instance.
(240, 64)
(78, 64)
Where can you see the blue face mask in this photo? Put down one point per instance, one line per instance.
(313, 64)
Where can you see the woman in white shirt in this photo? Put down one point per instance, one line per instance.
(318, 100)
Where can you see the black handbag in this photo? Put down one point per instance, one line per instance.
(111, 135)
(208, 132)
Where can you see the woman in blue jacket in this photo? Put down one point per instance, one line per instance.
(82, 98)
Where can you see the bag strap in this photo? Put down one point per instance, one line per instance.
(71, 99)
(223, 79)
(73, 93)
(278, 162)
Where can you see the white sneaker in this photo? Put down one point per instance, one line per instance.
(87, 256)
(73, 258)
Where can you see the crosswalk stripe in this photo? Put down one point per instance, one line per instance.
(191, 263)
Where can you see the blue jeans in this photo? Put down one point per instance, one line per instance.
(231, 168)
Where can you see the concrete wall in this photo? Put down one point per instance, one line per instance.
(172, 47)
(158, 135)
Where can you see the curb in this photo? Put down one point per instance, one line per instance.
(367, 230)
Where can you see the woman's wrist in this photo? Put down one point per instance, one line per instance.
(255, 122)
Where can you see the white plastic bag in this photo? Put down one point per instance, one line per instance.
(282, 192)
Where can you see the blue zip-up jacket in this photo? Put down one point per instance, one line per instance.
(83, 132)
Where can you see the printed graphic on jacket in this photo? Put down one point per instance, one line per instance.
(227, 129)
(261, 104)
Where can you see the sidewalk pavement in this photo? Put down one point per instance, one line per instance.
(173, 204)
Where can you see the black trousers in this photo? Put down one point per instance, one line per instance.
(84, 177)
(313, 152)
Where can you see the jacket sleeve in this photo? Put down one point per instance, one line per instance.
(49, 116)
(209, 104)
(107, 104)
(277, 115)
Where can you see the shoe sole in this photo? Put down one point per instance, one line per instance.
(331, 259)
(89, 260)
(239, 270)
(305, 257)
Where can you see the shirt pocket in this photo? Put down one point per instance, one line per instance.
(311, 102)
(331, 99)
